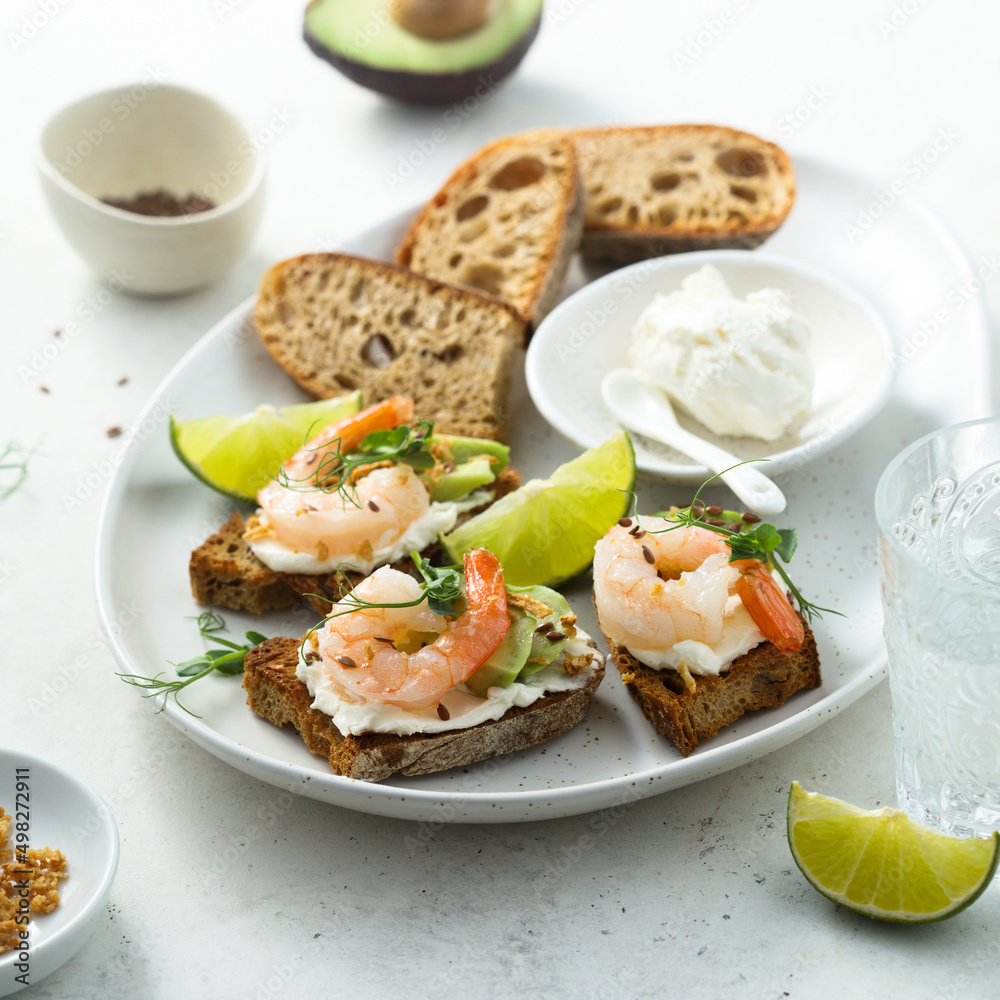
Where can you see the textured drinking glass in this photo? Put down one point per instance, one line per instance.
(938, 511)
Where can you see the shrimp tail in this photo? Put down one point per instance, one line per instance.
(769, 607)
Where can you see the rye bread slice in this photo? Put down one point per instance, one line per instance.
(225, 573)
(277, 695)
(336, 323)
(660, 189)
(506, 223)
(761, 678)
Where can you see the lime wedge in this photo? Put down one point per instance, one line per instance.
(238, 455)
(545, 532)
(882, 864)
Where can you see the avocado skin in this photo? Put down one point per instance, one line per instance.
(428, 88)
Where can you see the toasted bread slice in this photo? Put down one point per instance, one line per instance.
(336, 322)
(277, 695)
(760, 678)
(663, 189)
(225, 573)
(506, 223)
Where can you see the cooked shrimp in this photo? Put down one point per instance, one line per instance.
(374, 512)
(769, 606)
(655, 590)
(360, 651)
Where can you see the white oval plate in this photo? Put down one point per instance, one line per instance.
(155, 512)
(588, 335)
(67, 815)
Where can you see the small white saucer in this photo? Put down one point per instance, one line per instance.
(588, 335)
(65, 814)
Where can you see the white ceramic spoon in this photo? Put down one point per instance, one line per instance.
(645, 409)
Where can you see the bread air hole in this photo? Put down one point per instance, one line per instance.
(454, 260)
(486, 277)
(665, 182)
(357, 291)
(471, 207)
(377, 351)
(473, 230)
(407, 317)
(741, 163)
(345, 382)
(609, 206)
(505, 250)
(747, 194)
(518, 173)
(632, 215)
(451, 353)
(286, 314)
(737, 217)
(666, 215)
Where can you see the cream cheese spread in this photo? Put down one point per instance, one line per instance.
(464, 708)
(740, 367)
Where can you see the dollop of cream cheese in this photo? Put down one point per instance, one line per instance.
(464, 708)
(740, 367)
(440, 517)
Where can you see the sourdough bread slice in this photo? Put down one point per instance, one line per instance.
(336, 322)
(225, 573)
(506, 223)
(277, 695)
(761, 678)
(663, 189)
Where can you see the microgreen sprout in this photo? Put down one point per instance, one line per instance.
(14, 458)
(333, 472)
(228, 661)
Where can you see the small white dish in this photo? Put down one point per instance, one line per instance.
(66, 814)
(141, 138)
(588, 335)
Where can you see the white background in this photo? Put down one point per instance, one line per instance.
(230, 888)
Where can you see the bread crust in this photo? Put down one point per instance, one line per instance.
(762, 678)
(277, 695)
(706, 205)
(539, 288)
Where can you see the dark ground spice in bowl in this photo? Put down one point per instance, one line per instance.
(161, 202)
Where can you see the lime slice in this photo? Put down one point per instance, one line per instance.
(883, 865)
(238, 455)
(545, 532)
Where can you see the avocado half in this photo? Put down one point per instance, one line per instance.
(363, 41)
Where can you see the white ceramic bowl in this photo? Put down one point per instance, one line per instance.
(63, 813)
(145, 137)
(589, 333)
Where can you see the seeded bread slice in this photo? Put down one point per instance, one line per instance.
(225, 573)
(663, 189)
(506, 223)
(759, 679)
(336, 322)
(277, 695)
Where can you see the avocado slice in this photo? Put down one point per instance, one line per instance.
(462, 449)
(524, 649)
(507, 660)
(461, 482)
(364, 41)
(477, 462)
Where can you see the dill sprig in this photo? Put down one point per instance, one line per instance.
(14, 457)
(228, 661)
(334, 468)
(763, 542)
